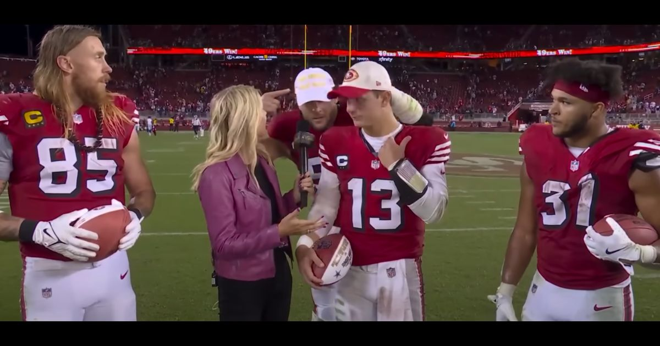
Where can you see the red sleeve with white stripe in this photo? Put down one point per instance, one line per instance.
(645, 146)
(646, 154)
(430, 207)
(130, 109)
(9, 111)
(325, 155)
(441, 152)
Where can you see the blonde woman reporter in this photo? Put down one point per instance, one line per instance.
(248, 219)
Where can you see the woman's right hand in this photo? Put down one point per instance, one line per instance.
(292, 225)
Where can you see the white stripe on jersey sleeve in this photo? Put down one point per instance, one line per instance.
(326, 162)
(440, 154)
(649, 146)
(651, 162)
(325, 159)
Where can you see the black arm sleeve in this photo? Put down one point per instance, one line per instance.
(407, 195)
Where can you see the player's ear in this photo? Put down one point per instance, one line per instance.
(599, 108)
(64, 63)
(385, 98)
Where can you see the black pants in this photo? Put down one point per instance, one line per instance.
(262, 300)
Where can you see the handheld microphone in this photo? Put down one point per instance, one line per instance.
(301, 142)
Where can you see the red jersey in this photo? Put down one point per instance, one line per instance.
(50, 177)
(370, 216)
(572, 193)
(283, 128)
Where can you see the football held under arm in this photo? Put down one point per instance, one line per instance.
(644, 182)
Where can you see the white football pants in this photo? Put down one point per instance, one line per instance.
(389, 291)
(78, 291)
(548, 302)
(324, 303)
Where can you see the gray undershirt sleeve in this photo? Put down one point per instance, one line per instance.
(6, 153)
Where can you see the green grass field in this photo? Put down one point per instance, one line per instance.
(171, 263)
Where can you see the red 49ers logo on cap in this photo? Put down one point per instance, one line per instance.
(351, 75)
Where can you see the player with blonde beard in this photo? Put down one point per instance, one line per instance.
(69, 147)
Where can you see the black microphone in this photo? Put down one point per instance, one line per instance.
(301, 142)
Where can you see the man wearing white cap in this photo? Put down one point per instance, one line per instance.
(312, 86)
(381, 182)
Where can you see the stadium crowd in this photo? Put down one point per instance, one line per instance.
(464, 90)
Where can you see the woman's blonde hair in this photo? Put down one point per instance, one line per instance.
(49, 78)
(235, 113)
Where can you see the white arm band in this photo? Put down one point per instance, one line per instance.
(405, 107)
(326, 203)
(305, 240)
(431, 206)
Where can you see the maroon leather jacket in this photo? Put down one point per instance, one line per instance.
(238, 219)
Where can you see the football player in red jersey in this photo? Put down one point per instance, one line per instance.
(312, 86)
(575, 172)
(381, 182)
(67, 148)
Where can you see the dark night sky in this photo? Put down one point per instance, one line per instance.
(14, 38)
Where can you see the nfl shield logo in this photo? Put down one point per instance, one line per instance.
(375, 164)
(391, 272)
(77, 118)
(575, 164)
(46, 292)
(534, 287)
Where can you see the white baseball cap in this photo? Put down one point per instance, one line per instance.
(362, 78)
(313, 84)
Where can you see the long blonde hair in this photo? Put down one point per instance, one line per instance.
(235, 113)
(49, 78)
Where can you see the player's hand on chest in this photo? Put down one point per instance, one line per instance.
(391, 152)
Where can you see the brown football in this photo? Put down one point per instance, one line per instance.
(638, 230)
(109, 222)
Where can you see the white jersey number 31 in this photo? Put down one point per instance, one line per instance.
(556, 191)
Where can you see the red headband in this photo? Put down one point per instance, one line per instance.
(590, 93)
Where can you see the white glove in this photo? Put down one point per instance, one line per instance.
(59, 236)
(618, 247)
(503, 300)
(133, 230)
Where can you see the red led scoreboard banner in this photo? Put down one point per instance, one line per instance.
(396, 53)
